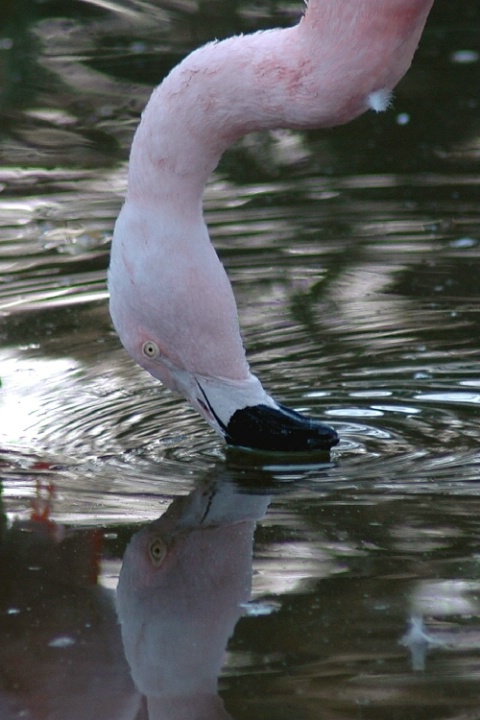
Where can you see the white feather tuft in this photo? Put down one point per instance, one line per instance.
(380, 100)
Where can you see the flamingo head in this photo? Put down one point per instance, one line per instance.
(174, 311)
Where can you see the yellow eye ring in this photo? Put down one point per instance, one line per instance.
(150, 349)
(157, 550)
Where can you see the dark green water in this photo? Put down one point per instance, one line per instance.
(355, 259)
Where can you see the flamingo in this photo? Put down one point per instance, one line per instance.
(171, 302)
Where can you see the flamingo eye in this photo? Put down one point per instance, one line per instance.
(150, 349)
(157, 551)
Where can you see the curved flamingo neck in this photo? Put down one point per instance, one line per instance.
(342, 58)
(169, 293)
(204, 105)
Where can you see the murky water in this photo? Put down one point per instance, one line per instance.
(355, 259)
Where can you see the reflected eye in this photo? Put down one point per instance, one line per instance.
(157, 551)
(150, 349)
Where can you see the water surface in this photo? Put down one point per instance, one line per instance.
(354, 256)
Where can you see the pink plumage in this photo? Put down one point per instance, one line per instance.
(170, 299)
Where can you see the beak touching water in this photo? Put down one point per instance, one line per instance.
(246, 416)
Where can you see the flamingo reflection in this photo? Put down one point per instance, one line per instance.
(185, 580)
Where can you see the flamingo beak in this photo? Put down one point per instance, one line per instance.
(263, 424)
(279, 429)
(245, 415)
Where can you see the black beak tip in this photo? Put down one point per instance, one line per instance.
(261, 427)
